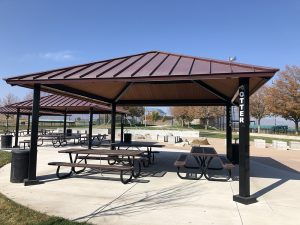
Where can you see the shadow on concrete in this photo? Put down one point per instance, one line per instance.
(127, 204)
(267, 167)
(262, 167)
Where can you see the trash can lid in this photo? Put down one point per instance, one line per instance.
(19, 151)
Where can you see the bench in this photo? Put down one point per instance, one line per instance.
(113, 160)
(225, 165)
(181, 162)
(121, 169)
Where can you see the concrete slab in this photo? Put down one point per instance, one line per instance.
(160, 197)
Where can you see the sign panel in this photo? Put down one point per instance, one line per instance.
(242, 104)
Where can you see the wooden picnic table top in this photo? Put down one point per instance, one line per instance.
(103, 152)
(203, 151)
(136, 144)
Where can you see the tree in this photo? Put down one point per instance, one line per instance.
(155, 116)
(283, 97)
(258, 108)
(208, 112)
(28, 96)
(182, 114)
(135, 111)
(9, 99)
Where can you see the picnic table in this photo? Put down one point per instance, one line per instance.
(124, 161)
(138, 145)
(204, 156)
(59, 139)
(101, 138)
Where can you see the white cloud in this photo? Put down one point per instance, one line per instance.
(58, 56)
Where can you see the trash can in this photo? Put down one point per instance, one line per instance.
(127, 138)
(6, 141)
(19, 166)
(69, 132)
(235, 154)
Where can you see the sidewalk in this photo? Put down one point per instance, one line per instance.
(161, 197)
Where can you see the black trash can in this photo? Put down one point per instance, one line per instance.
(19, 166)
(127, 138)
(6, 141)
(235, 154)
(69, 132)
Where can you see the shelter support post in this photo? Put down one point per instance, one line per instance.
(90, 129)
(34, 137)
(228, 131)
(122, 128)
(113, 123)
(65, 123)
(244, 157)
(28, 124)
(17, 129)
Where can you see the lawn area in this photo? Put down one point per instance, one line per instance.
(5, 157)
(223, 136)
(13, 213)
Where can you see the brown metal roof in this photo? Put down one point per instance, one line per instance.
(150, 78)
(60, 103)
(13, 111)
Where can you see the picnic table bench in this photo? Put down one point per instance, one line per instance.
(121, 169)
(203, 157)
(125, 162)
(138, 145)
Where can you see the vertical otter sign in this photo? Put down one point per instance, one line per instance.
(242, 104)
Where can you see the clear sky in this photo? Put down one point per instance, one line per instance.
(40, 35)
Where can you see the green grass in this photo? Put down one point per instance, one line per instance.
(223, 136)
(5, 157)
(12, 213)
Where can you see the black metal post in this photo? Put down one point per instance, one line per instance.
(28, 124)
(17, 129)
(228, 132)
(244, 158)
(34, 137)
(122, 128)
(65, 123)
(113, 123)
(90, 128)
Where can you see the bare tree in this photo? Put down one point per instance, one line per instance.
(258, 108)
(28, 96)
(9, 99)
(283, 97)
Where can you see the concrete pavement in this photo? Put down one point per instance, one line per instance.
(160, 197)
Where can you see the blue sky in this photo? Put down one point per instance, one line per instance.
(40, 35)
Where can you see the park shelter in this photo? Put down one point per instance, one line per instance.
(64, 105)
(9, 110)
(158, 78)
